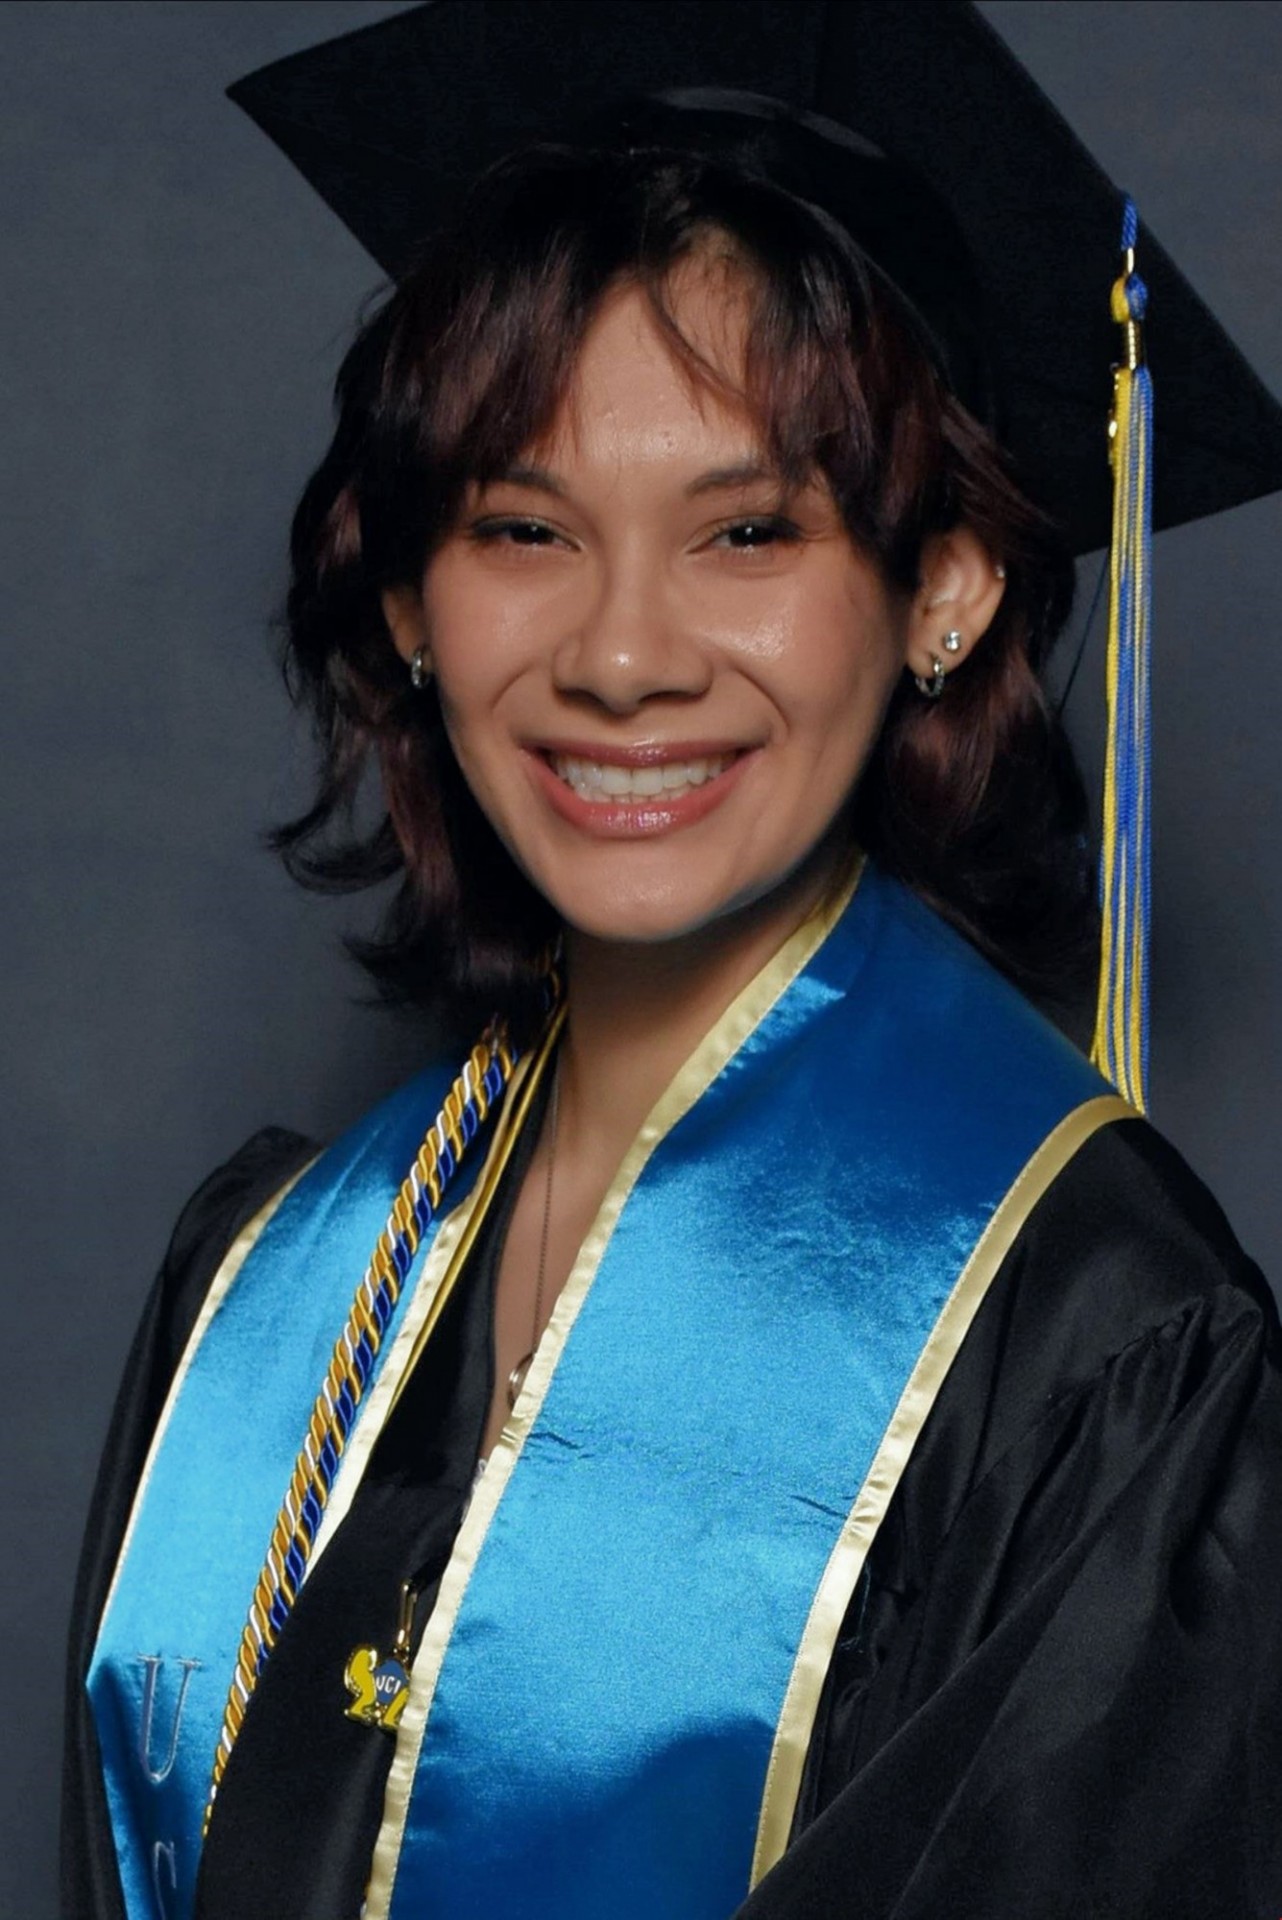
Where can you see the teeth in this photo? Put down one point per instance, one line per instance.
(603, 781)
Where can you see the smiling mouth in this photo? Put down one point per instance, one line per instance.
(606, 783)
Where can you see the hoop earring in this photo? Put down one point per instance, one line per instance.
(933, 687)
(420, 670)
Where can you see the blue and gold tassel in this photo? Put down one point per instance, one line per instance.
(1120, 1047)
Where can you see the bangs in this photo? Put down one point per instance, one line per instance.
(483, 343)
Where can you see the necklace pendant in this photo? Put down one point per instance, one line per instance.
(379, 1688)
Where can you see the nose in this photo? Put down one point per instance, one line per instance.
(630, 645)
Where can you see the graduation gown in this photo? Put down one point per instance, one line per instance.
(1059, 1684)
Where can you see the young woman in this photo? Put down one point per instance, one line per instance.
(776, 1429)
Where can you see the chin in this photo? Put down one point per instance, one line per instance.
(636, 923)
(635, 916)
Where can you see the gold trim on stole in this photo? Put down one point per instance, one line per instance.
(444, 1263)
(229, 1268)
(445, 1259)
(846, 1562)
(690, 1083)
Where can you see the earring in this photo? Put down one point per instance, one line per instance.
(952, 641)
(933, 687)
(420, 670)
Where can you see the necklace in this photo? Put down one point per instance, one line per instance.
(516, 1379)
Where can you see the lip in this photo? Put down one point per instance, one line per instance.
(645, 753)
(640, 819)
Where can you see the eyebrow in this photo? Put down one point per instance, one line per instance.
(742, 473)
(537, 477)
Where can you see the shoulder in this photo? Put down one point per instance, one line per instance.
(225, 1201)
(358, 1171)
(960, 1037)
(1125, 1232)
(1128, 1240)
(1124, 1314)
(207, 1226)
(1121, 1382)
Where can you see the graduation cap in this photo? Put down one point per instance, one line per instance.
(391, 123)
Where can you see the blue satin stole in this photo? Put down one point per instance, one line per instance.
(596, 1701)
(211, 1489)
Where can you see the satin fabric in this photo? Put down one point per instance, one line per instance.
(1067, 1622)
(1060, 1689)
(593, 1745)
(178, 1606)
(167, 1644)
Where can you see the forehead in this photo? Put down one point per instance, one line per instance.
(636, 394)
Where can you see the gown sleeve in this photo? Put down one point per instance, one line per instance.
(1059, 1687)
(210, 1221)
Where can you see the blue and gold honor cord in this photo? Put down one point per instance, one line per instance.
(482, 1080)
(1120, 1046)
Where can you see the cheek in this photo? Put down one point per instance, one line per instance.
(476, 601)
(841, 667)
(474, 639)
(839, 702)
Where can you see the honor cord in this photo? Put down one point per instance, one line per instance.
(482, 1080)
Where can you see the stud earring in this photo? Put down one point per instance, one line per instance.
(420, 670)
(952, 641)
(1000, 571)
(933, 687)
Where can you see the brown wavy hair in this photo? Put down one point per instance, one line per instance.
(973, 801)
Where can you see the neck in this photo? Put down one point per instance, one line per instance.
(635, 1013)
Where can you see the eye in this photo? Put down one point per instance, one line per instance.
(513, 532)
(755, 532)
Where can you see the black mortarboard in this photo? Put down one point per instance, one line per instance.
(390, 123)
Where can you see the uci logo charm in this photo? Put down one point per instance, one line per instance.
(380, 1688)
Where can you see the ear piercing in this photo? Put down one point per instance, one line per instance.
(933, 687)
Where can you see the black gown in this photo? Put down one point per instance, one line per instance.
(1059, 1686)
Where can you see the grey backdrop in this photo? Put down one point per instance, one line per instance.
(173, 305)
